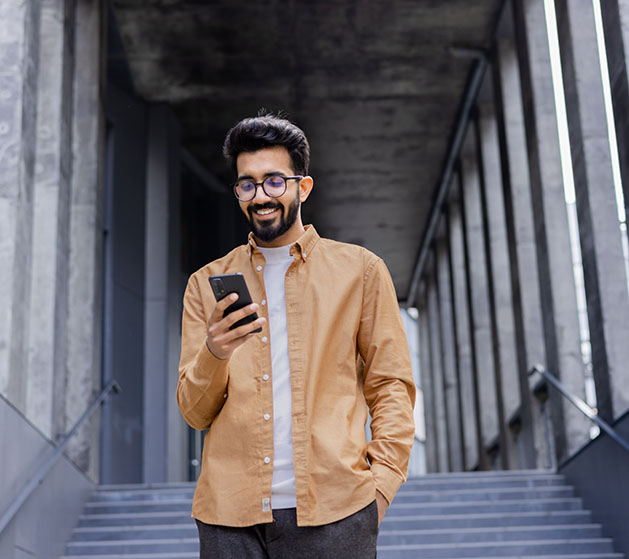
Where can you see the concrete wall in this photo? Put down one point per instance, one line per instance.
(51, 132)
(19, 48)
(516, 260)
(50, 141)
(45, 521)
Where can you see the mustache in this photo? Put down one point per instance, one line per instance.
(266, 206)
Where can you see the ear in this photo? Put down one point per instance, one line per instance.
(305, 187)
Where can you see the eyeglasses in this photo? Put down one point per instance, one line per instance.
(273, 186)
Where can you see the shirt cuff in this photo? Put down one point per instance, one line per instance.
(207, 360)
(387, 481)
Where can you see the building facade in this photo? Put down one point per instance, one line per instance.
(104, 213)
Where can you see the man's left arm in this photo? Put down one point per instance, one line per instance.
(388, 382)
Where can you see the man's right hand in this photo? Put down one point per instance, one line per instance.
(222, 341)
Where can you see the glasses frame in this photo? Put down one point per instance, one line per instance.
(261, 184)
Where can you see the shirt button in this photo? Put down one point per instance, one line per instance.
(263, 302)
(265, 377)
(265, 339)
(266, 459)
(259, 268)
(267, 416)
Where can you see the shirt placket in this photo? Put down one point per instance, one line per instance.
(263, 414)
(295, 355)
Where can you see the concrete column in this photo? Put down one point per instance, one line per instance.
(19, 56)
(124, 284)
(615, 14)
(156, 296)
(601, 244)
(499, 273)
(83, 361)
(423, 322)
(436, 366)
(448, 357)
(556, 280)
(466, 356)
(49, 281)
(164, 455)
(177, 429)
(480, 318)
(521, 237)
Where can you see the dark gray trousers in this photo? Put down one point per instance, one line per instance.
(353, 537)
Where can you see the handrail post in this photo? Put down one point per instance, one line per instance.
(586, 410)
(25, 493)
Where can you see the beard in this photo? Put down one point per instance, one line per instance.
(270, 231)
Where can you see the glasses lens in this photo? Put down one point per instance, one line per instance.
(275, 186)
(245, 190)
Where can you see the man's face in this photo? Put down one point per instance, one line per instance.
(284, 217)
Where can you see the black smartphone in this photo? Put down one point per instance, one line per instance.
(225, 284)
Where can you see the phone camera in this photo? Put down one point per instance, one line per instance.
(218, 287)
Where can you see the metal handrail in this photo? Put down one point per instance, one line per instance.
(588, 411)
(46, 466)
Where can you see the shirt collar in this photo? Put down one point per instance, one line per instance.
(304, 245)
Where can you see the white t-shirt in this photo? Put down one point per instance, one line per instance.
(283, 493)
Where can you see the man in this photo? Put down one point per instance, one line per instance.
(286, 471)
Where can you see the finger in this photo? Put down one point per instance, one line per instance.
(226, 344)
(221, 306)
(225, 302)
(241, 332)
(235, 316)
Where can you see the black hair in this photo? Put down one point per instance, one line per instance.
(267, 130)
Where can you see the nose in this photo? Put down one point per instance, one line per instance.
(261, 197)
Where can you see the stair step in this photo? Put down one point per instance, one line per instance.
(140, 532)
(499, 494)
(413, 555)
(486, 482)
(179, 555)
(153, 545)
(470, 507)
(180, 505)
(498, 549)
(475, 520)
(139, 486)
(477, 535)
(174, 494)
(134, 518)
(489, 474)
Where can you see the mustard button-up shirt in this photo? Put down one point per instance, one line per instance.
(348, 353)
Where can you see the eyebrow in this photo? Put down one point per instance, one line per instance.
(266, 175)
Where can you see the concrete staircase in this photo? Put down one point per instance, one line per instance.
(137, 522)
(531, 514)
(490, 514)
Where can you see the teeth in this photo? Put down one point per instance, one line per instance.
(265, 212)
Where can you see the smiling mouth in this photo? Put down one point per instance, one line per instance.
(265, 211)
